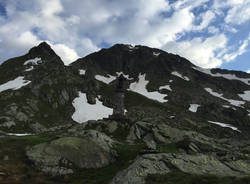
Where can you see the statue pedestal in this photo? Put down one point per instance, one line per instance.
(117, 117)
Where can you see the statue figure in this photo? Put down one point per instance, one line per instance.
(119, 110)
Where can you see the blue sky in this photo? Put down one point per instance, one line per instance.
(210, 33)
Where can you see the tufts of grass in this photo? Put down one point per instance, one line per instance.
(126, 154)
(178, 177)
(167, 148)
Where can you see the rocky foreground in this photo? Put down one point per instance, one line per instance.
(114, 152)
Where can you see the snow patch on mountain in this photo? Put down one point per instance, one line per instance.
(18, 134)
(29, 69)
(232, 102)
(82, 72)
(156, 54)
(34, 61)
(180, 76)
(124, 75)
(110, 78)
(85, 111)
(104, 79)
(131, 48)
(165, 87)
(193, 107)
(245, 96)
(228, 107)
(140, 87)
(226, 76)
(14, 84)
(225, 125)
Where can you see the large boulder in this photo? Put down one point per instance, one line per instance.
(162, 134)
(166, 162)
(59, 156)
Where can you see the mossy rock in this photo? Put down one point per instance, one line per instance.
(62, 155)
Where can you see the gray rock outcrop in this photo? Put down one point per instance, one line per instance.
(165, 162)
(59, 156)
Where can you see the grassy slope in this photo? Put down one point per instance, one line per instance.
(183, 178)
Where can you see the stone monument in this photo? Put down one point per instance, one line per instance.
(119, 109)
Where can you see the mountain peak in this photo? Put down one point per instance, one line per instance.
(44, 45)
(43, 49)
(133, 60)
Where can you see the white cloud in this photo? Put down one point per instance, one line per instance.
(74, 19)
(239, 13)
(213, 29)
(49, 8)
(28, 39)
(200, 52)
(188, 3)
(169, 29)
(248, 71)
(238, 10)
(206, 18)
(67, 54)
(241, 50)
(81, 27)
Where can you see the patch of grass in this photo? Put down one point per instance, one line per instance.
(15, 146)
(178, 177)
(134, 99)
(167, 148)
(121, 133)
(16, 166)
(126, 153)
(108, 91)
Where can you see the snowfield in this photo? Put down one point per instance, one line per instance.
(110, 78)
(193, 107)
(29, 69)
(17, 134)
(140, 87)
(165, 87)
(34, 61)
(82, 72)
(180, 76)
(226, 76)
(156, 54)
(245, 96)
(132, 47)
(232, 102)
(225, 125)
(125, 76)
(14, 84)
(106, 80)
(85, 111)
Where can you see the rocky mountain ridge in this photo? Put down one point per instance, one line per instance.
(179, 118)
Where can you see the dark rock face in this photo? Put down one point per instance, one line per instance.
(48, 97)
(201, 127)
(158, 67)
(138, 59)
(47, 100)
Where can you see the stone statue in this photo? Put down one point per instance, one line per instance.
(120, 85)
(119, 110)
